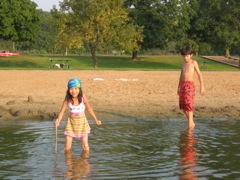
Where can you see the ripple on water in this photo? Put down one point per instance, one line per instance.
(124, 149)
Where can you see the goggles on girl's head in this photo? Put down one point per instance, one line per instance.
(74, 82)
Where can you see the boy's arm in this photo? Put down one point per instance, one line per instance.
(91, 112)
(202, 89)
(180, 79)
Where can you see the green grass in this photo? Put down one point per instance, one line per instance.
(169, 62)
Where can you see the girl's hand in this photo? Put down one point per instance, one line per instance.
(98, 122)
(56, 123)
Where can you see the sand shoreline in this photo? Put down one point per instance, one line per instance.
(38, 94)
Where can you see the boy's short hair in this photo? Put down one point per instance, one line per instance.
(187, 50)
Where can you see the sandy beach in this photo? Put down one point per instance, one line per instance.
(38, 94)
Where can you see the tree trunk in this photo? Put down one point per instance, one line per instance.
(66, 51)
(134, 55)
(14, 49)
(93, 52)
(227, 52)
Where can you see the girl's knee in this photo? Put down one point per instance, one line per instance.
(85, 147)
(68, 143)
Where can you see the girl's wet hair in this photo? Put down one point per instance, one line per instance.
(69, 97)
(187, 50)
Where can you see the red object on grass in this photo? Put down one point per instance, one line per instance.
(8, 53)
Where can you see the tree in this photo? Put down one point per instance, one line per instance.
(163, 21)
(66, 37)
(18, 21)
(186, 12)
(101, 23)
(47, 32)
(217, 24)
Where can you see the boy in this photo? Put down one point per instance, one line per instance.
(186, 87)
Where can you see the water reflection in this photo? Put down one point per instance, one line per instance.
(77, 167)
(188, 153)
(129, 149)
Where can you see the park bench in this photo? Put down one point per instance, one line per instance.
(59, 64)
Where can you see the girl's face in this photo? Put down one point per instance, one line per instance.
(74, 91)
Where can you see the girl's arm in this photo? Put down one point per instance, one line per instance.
(60, 115)
(202, 89)
(91, 112)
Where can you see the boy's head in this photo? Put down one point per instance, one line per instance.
(187, 50)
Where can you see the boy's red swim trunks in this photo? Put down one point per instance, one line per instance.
(186, 95)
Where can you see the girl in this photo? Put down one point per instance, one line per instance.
(77, 124)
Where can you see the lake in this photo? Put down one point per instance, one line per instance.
(123, 148)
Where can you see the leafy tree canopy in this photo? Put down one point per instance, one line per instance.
(18, 21)
(217, 23)
(104, 24)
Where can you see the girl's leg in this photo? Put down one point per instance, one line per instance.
(85, 154)
(68, 143)
(69, 157)
(85, 143)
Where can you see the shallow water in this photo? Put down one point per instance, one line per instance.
(123, 149)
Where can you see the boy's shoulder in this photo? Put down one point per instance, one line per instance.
(194, 62)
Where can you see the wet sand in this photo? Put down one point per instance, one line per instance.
(38, 94)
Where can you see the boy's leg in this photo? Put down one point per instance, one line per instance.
(189, 115)
(68, 143)
(85, 143)
(191, 123)
(186, 113)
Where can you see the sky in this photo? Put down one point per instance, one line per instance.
(46, 5)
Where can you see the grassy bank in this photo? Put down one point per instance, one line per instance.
(170, 62)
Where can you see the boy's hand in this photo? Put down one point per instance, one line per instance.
(202, 91)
